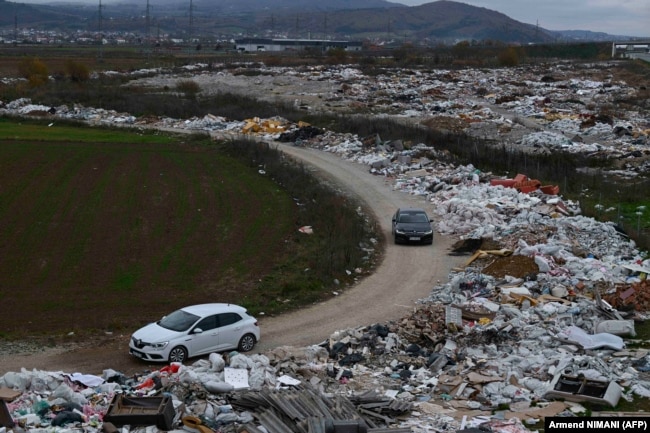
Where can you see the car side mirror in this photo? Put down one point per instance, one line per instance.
(197, 331)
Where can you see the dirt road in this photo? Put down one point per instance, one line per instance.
(406, 274)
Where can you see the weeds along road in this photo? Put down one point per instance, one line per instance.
(406, 274)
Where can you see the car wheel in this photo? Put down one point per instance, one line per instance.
(178, 354)
(246, 343)
(396, 241)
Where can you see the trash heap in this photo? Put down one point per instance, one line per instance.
(539, 322)
(539, 108)
(542, 311)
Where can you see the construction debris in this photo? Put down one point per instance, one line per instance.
(534, 325)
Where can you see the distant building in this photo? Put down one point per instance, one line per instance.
(632, 49)
(261, 44)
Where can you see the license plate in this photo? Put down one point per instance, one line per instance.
(414, 238)
(138, 354)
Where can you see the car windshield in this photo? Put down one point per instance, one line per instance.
(413, 218)
(179, 320)
(420, 218)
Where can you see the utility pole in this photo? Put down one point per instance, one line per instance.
(101, 37)
(147, 39)
(191, 24)
(148, 23)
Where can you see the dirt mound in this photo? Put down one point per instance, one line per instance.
(515, 266)
(470, 246)
(496, 266)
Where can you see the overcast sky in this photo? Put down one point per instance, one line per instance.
(616, 17)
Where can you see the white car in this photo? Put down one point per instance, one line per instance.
(196, 330)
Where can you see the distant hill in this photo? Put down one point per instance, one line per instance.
(45, 16)
(436, 22)
(440, 20)
(586, 35)
(283, 6)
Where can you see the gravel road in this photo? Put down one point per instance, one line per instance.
(406, 274)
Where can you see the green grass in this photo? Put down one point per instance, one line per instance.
(631, 213)
(127, 279)
(60, 131)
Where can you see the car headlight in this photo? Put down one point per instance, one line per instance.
(159, 346)
(428, 232)
(399, 231)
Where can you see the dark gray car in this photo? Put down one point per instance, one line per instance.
(412, 225)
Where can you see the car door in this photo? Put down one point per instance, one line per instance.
(231, 329)
(205, 341)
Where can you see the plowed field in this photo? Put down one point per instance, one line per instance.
(86, 225)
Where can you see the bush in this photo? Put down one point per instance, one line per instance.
(34, 71)
(337, 56)
(76, 71)
(189, 87)
(509, 57)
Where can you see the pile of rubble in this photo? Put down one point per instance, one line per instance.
(536, 324)
(504, 343)
(534, 333)
(540, 108)
(537, 107)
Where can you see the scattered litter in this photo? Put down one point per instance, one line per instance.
(308, 230)
(535, 317)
